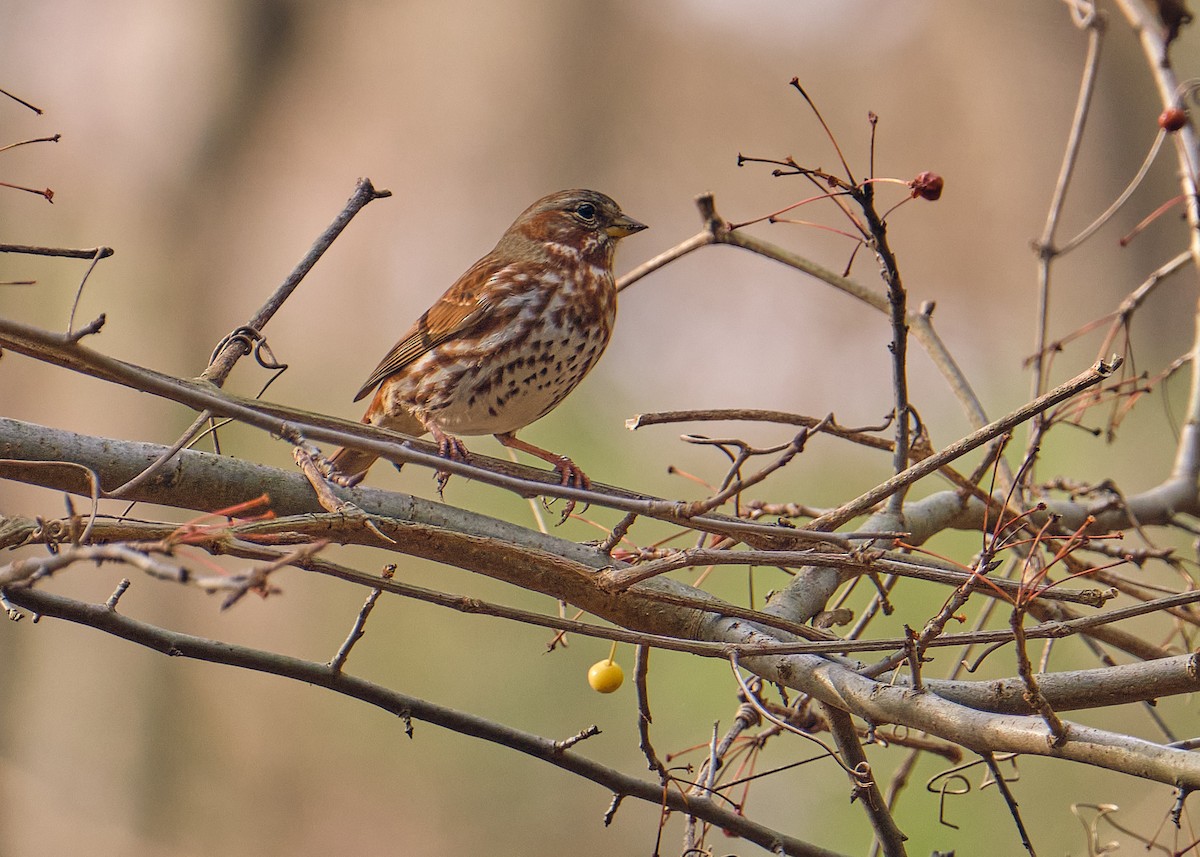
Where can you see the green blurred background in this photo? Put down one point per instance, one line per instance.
(210, 143)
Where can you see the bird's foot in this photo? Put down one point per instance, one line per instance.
(570, 476)
(451, 448)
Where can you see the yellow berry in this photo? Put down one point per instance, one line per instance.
(605, 676)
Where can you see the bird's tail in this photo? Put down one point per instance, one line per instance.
(349, 466)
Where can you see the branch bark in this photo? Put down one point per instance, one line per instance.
(567, 570)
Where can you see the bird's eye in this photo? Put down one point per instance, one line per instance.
(586, 211)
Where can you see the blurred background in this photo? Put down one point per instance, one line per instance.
(210, 143)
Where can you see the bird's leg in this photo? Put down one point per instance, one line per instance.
(568, 471)
(448, 447)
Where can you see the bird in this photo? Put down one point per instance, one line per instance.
(508, 341)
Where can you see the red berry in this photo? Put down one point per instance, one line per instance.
(1172, 119)
(927, 185)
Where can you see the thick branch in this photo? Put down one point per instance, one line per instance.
(291, 422)
(563, 568)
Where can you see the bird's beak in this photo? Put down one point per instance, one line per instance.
(624, 225)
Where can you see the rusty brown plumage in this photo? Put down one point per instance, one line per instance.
(509, 340)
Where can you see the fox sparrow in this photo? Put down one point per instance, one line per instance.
(508, 341)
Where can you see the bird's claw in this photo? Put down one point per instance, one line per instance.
(570, 476)
(452, 449)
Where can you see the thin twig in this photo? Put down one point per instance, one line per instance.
(700, 239)
(641, 670)
(156, 466)
(360, 622)
(111, 603)
(92, 253)
(736, 486)
(752, 698)
(582, 735)
(1009, 800)
(618, 532)
(79, 292)
(857, 506)
(865, 789)
(1033, 694)
(224, 361)
(234, 348)
(692, 841)
(825, 425)
(1120, 201)
(93, 481)
(1046, 250)
(22, 102)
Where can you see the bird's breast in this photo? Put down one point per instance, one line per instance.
(537, 346)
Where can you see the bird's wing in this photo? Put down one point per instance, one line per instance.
(457, 311)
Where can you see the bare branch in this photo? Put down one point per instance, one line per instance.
(403, 705)
(972, 441)
(866, 790)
